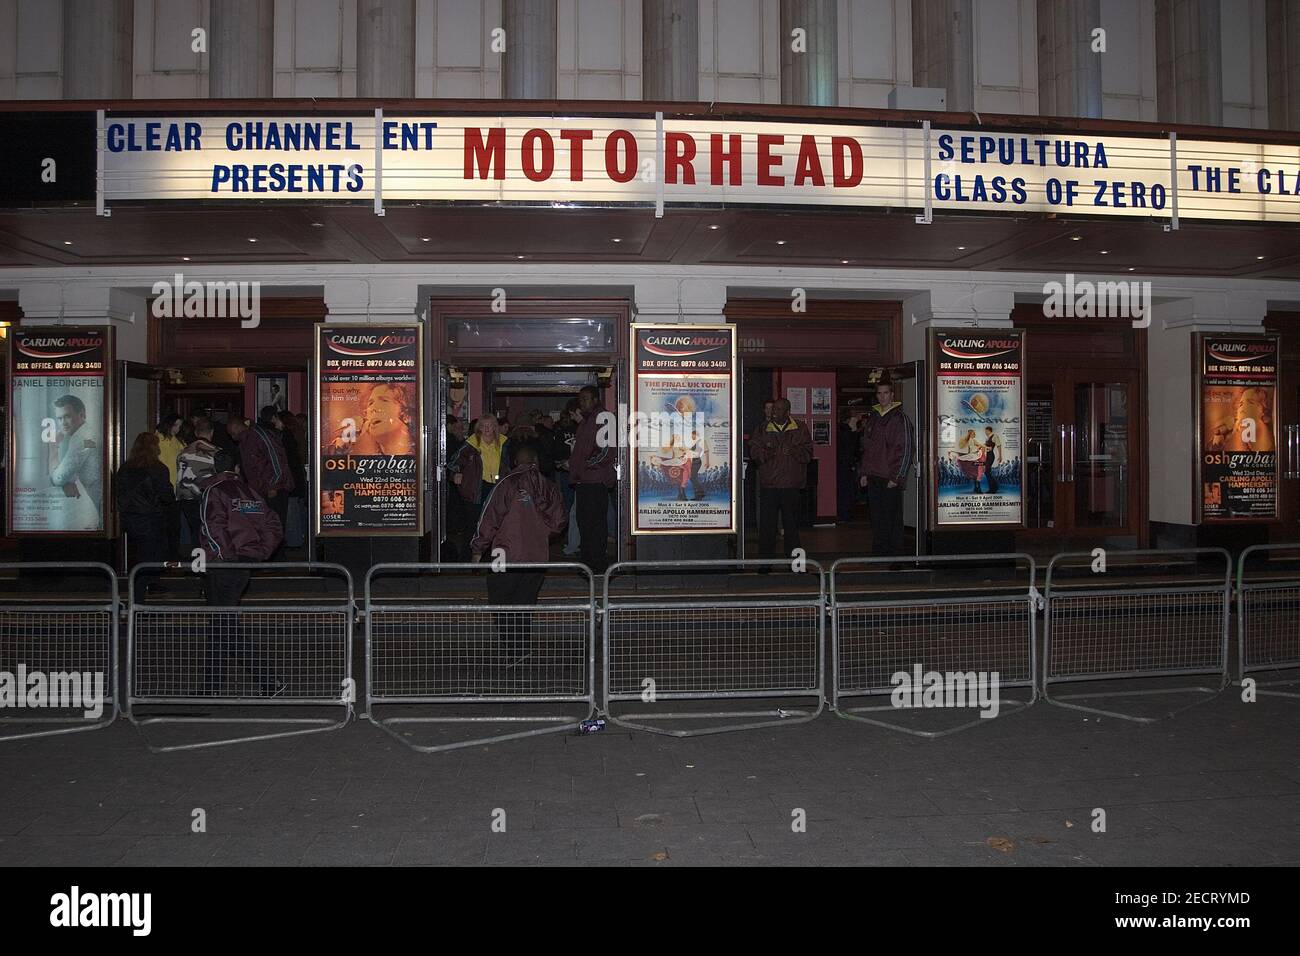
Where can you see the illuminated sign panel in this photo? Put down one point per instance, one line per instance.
(592, 160)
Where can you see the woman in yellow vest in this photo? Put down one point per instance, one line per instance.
(170, 446)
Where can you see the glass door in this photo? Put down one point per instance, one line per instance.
(1082, 476)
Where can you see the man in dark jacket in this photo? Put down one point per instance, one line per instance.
(591, 472)
(237, 526)
(265, 466)
(782, 447)
(888, 443)
(519, 517)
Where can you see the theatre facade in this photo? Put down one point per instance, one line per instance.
(1113, 306)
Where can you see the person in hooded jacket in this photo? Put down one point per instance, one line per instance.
(519, 516)
(237, 527)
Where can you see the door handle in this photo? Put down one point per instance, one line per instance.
(1060, 466)
(1070, 471)
(1293, 451)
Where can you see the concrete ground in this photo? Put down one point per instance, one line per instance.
(1218, 784)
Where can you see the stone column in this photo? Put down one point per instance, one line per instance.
(1069, 73)
(670, 50)
(1189, 62)
(810, 75)
(97, 49)
(943, 49)
(241, 59)
(528, 67)
(386, 48)
(1282, 23)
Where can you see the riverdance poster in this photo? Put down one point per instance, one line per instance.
(59, 464)
(978, 408)
(369, 412)
(681, 428)
(1238, 463)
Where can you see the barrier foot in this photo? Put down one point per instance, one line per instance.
(783, 717)
(562, 725)
(305, 725)
(1065, 701)
(80, 727)
(854, 713)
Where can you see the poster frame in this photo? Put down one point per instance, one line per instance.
(1199, 340)
(109, 438)
(633, 392)
(932, 392)
(321, 329)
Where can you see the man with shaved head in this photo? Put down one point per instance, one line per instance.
(782, 447)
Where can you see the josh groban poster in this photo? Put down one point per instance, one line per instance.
(977, 427)
(683, 409)
(369, 410)
(58, 428)
(1237, 396)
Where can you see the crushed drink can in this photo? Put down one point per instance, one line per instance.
(591, 726)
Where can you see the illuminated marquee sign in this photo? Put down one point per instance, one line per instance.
(583, 160)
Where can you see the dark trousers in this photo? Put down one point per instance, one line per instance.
(886, 506)
(593, 524)
(227, 637)
(514, 628)
(146, 538)
(771, 503)
(988, 473)
(172, 528)
(280, 505)
(191, 511)
(846, 490)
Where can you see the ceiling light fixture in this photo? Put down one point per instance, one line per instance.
(67, 242)
(1075, 238)
(252, 240)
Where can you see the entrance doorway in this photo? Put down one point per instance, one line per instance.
(531, 404)
(1084, 437)
(527, 361)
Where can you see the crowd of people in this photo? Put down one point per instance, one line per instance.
(563, 452)
(162, 488)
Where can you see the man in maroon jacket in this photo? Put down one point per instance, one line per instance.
(235, 526)
(591, 472)
(888, 442)
(264, 465)
(782, 448)
(519, 517)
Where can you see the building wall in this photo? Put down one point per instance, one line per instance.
(1006, 56)
(599, 52)
(31, 50)
(447, 63)
(1245, 65)
(875, 53)
(1128, 67)
(315, 48)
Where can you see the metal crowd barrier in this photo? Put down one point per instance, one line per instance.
(480, 663)
(1149, 614)
(1268, 614)
(726, 646)
(279, 652)
(52, 646)
(897, 620)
